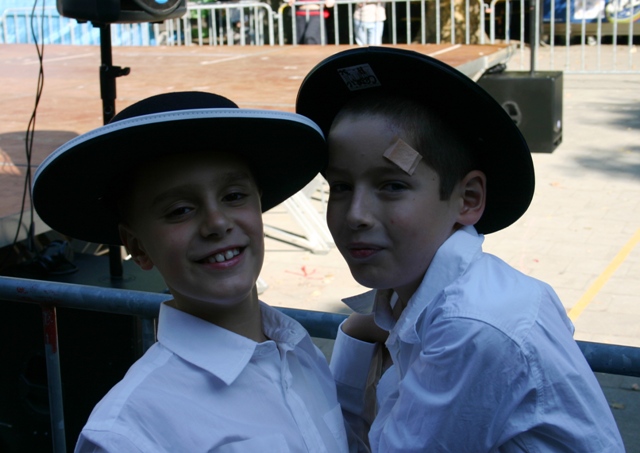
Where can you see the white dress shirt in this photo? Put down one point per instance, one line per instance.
(484, 360)
(202, 388)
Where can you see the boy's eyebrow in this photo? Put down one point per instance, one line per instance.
(238, 175)
(229, 178)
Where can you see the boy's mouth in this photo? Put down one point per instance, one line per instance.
(221, 257)
(362, 250)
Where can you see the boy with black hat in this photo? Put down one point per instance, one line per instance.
(181, 180)
(422, 164)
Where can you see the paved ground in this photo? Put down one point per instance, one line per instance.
(580, 235)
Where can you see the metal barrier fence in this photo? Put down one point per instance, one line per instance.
(408, 21)
(17, 26)
(242, 23)
(599, 37)
(603, 358)
(237, 23)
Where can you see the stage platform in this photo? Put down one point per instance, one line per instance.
(70, 104)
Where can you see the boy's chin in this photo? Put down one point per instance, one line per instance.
(367, 280)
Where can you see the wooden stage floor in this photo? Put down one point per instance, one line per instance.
(70, 104)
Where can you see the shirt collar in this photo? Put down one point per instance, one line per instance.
(282, 329)
(450, 261)
(217, 350)
(377, 301)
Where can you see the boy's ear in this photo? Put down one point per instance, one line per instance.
(135, 247)
(473, 194)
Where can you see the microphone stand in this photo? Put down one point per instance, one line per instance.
(108, 75)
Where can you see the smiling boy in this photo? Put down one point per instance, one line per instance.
(170, 228)
(423, 163)
(181, 180)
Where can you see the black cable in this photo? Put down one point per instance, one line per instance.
(32, 121)
(27, 192)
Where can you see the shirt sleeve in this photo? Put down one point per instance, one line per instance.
(104, 442)
(465, 382)
(356, 368)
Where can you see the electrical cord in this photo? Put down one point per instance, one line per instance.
(55, 257)
(32, 124)
(26, 190)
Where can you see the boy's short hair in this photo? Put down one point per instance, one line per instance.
(441, 148)
(75, 188)
(471, 113)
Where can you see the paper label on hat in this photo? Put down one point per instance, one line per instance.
(359, 77)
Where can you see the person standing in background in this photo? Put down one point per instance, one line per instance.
(368, 22)
(308, 24)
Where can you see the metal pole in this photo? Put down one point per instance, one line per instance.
(532, 36)
(605, 358)
(54, 380)
(108, 74)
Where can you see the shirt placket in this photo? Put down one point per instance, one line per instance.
(312, 438)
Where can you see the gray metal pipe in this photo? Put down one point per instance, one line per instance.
(109, 300)
(611, 358)
(606, 358)
(54, 378)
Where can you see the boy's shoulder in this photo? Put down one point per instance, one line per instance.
(490, 281)
(499, 296)
(280, 326)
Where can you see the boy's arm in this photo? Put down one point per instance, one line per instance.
(364, 328)
(356, 368)
(458, 393)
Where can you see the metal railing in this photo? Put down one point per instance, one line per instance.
(46, 26)
(246, 22)
(232, 23)
(575, 36)
(408, 22)
(603, 358)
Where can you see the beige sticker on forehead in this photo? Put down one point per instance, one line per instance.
(403, 155)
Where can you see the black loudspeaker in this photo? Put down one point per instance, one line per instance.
(534, 102)
(121, 11)
(96, 350)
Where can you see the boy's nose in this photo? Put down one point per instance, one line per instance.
(215, 223)
(359, 212)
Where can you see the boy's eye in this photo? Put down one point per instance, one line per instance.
(179, 211)
(338, 187)
(393, 186)
(234, 196)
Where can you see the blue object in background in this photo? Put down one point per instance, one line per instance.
(17, 26)
(609, 11)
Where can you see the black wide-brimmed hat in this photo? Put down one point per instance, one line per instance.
(503, 153)
(73, 186)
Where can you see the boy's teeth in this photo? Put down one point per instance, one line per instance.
(220, 257)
